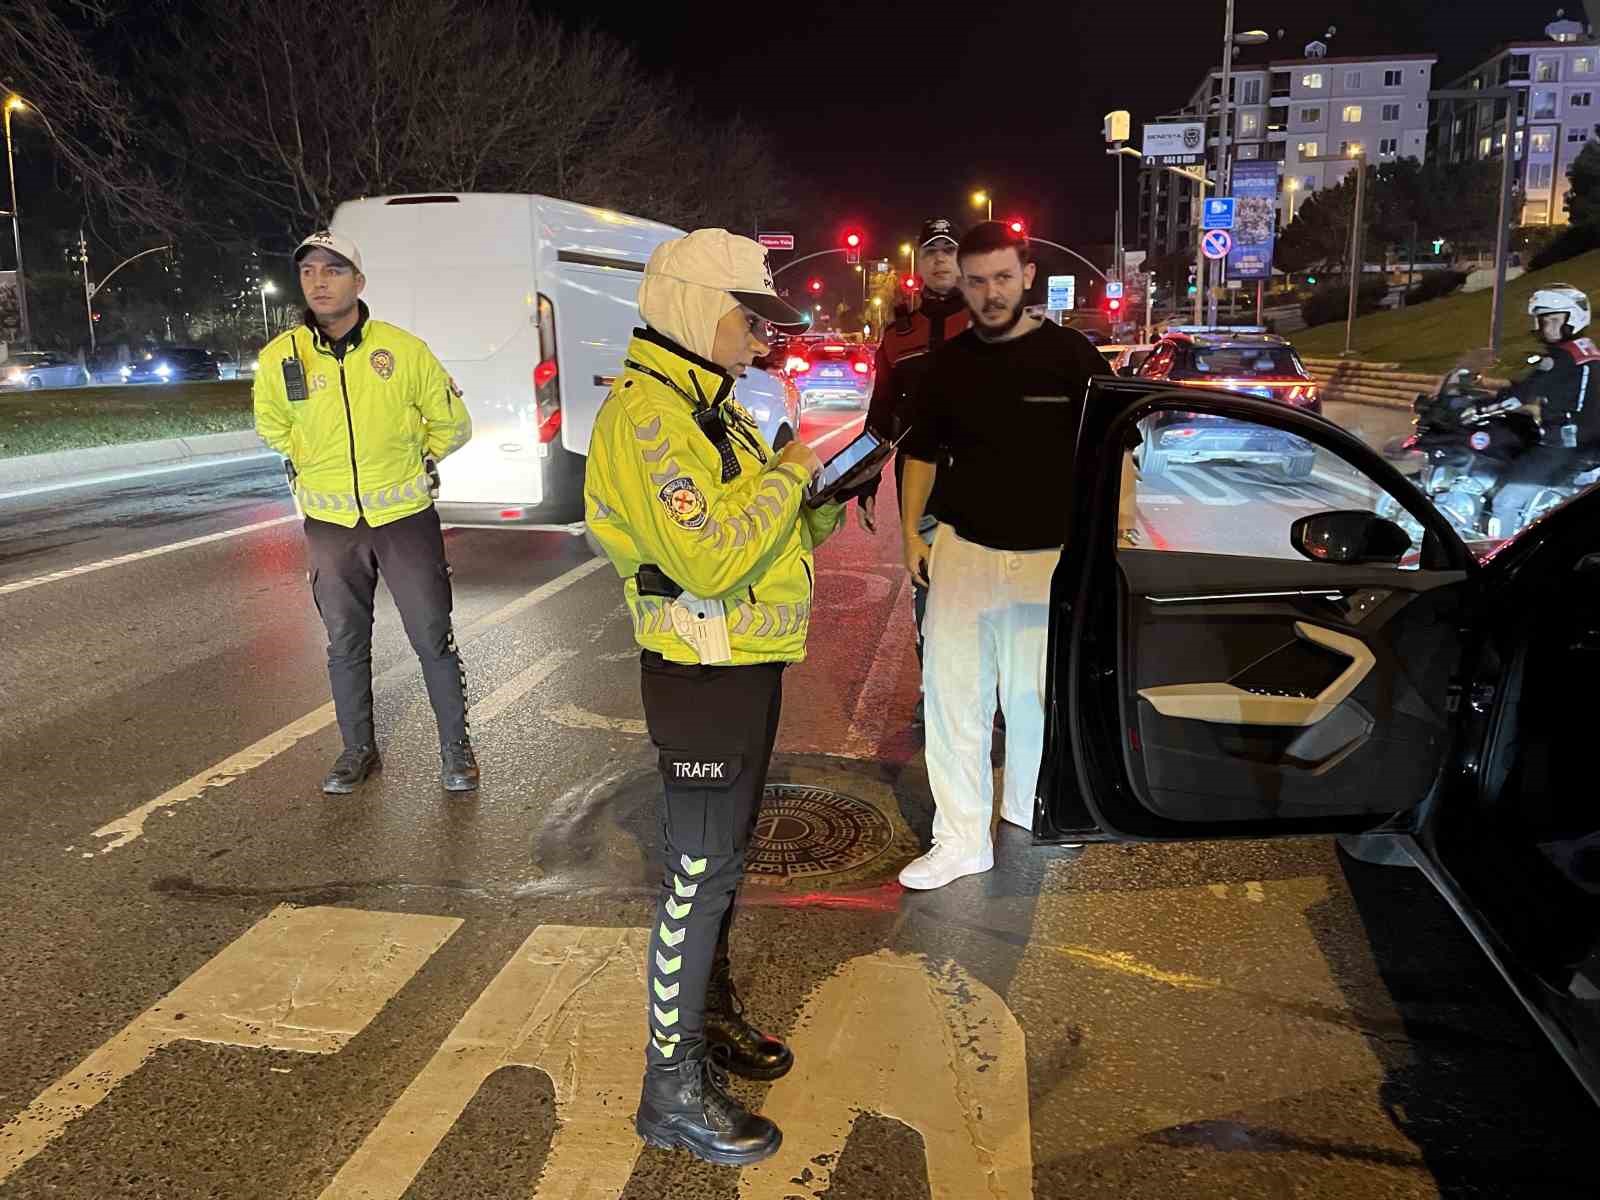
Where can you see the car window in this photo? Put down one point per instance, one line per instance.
(1244, 361)
(1202, 484)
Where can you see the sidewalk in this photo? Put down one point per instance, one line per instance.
(86, 464)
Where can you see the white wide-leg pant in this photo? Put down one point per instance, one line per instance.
(988, 621)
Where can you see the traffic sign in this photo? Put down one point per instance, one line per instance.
(1113, 289)
(776, 241)
(1216, 244)
(1060, 292)
(1218, 213)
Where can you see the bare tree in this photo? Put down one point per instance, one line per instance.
(293, 108)
(94, 121)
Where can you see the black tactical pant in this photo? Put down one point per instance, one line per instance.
(345, 565)
(714, 729)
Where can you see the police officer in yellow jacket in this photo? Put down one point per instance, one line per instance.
(708, 529)
(362, 412)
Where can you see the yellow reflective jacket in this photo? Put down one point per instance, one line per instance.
(654, 494)
(374, 405)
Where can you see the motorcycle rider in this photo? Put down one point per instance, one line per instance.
(1564, 387)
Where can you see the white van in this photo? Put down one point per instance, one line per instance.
(529, 303)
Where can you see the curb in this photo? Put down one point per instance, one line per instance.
(64, 465)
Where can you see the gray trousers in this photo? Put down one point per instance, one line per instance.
(345, 565)
(714, 729)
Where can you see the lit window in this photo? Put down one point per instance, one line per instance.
(1583, 65)
(1309, 149)
(1484, 145)
(1391, 112)
(1352, 114)
(1543, 142)
(1249, 125)
(1312, 81)
(1547, 71)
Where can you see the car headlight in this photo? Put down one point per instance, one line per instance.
(163, 370)
(16, 376)
(255, 363)
(126, 371)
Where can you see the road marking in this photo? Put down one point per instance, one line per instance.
(847, 427)
(925, 1044)
(896, 647)
(301, 979)
(507, 694)
(131, 826)
(22, 585)
(574, 717)
(220, 460)
(567, 1004)
(1228, 497)
(1127, 964)
(1367, 493)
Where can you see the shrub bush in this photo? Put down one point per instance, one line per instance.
(1571, 242)
(1434, 285)
(1331, 303)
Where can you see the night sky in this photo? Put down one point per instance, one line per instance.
(892, 112)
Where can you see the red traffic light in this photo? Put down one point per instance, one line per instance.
(1113, 305)
(816, 286)
(853, 240)
(1018, 227)
(912, 284)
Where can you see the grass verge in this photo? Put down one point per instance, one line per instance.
(73, 418)
(1438, 335)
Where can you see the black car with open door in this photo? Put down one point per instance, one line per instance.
(1270, 657)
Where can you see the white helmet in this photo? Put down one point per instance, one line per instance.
(1561, 298)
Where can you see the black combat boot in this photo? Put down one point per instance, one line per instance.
(736, 1044)
(351, 769)
(458, 767)
(685, 1106)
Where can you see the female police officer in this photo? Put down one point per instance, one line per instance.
(707, 528)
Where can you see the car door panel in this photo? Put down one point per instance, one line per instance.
(1216, 694)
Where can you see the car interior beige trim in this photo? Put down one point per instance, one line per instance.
(1224, 704)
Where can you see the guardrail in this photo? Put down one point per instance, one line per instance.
(1375, 384)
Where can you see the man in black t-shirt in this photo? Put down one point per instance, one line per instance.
(997, 409)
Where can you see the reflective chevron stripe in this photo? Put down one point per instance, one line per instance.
(672, 939)
(684, 889)
(665, 992)
(668, 966)
(677, 911)
(666, 1044)
(667, 1017)
(693, 866)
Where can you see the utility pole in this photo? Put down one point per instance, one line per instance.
(1356, 253)
(1502, 232)
(88, 292)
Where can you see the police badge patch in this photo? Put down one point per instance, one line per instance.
(685, 503)
(383, 363)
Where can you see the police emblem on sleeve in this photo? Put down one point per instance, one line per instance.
(685, 503)
(383, 363)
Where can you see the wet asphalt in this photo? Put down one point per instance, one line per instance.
(1261, 1019)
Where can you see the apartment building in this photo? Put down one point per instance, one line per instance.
(1557, 81)
(1300, 113)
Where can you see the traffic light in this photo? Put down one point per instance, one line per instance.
(912, 284)
(816, 287)
(853, 240)
(1193, 288)
(1312, 280)
(1017, 227)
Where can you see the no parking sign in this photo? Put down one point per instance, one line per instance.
(1216, 243)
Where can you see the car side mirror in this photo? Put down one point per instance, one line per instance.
(1349, 537)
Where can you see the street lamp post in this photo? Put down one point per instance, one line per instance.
(1291, 186)
(15, 103)
(1356, 253)
(1224, 179)
(267, 287)
(982, 199)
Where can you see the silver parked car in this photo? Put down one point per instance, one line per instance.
(42, 369)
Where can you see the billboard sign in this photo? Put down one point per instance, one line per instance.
(1175, 144)
(1255, 221)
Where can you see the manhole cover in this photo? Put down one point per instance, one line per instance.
(804, 832)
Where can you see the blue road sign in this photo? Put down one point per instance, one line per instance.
(1216, 244)
(1218, 213)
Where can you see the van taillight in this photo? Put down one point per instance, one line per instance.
(546, 381)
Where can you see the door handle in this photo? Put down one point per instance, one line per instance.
(1225, 704)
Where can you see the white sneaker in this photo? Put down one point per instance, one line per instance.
(944, 864)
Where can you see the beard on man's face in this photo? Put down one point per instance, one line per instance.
(999, 317)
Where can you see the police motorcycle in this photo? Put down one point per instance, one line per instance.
(1464, 438)
(1470, 440)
